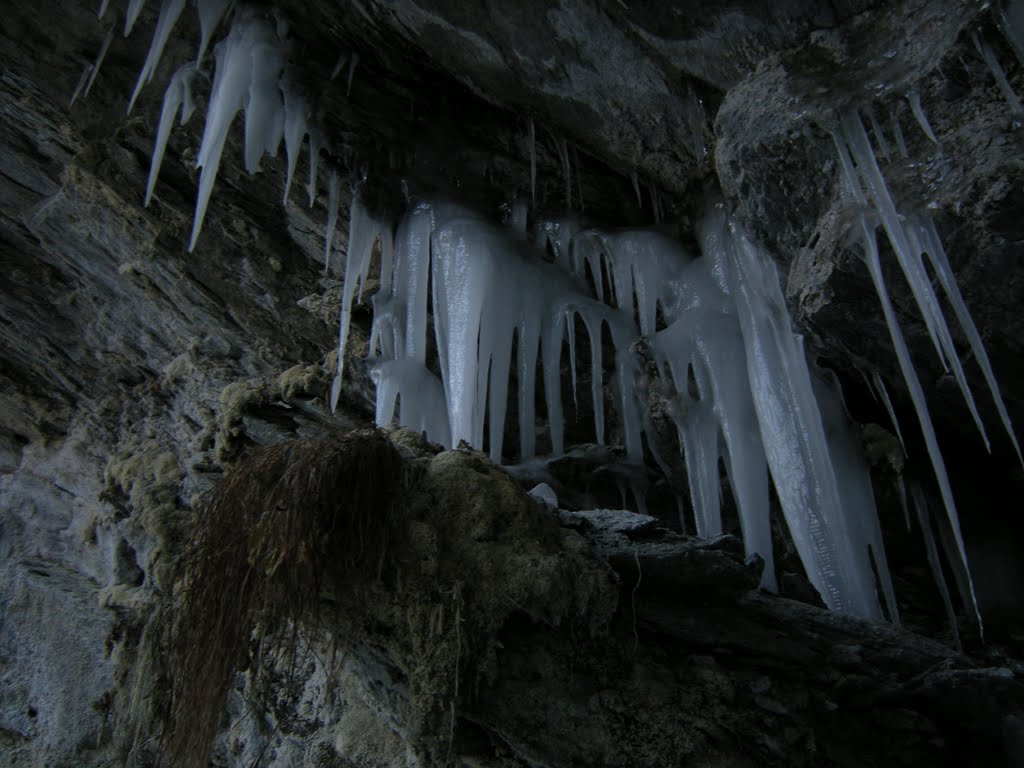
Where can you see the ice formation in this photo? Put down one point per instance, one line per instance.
(914, 239)
(740, 391)
(717, 327)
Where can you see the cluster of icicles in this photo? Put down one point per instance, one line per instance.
(716, 324)
(743, 390)
(252, 76)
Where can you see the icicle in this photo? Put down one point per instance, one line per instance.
(932, 552)
(897, 133)
(315, 143)
(352, 63)
(533, 162)
(940, 263)
(333, 195)
(902, 489)
(341, 62)
(917, 396)
(1011, 22)
(922, 120)
(563, 154)
(132, 15)
(876, 129)
(170, 11)
(82, 80)
(264, 110)
(910, 262)
(103, 9)
(635, 178)
(99, 61)
(296, 125)
(231, 88)
(790, 422)
(210, 14)
(178, 94)
(579, 177)
(997, 72)
(880, 386)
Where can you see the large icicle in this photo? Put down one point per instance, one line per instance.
(170, 11)
(791, 425)
(232, 92)
(178, 94)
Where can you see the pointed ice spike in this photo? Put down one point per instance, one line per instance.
(909, 260)
(264, 110)
(132, 15)
(940, 263)
(579, 177)
(884, 393)
(922, 120)
(563, 154)
(210, 14)
(352, 64)
(791, 424)
(897, 133)
(997, 72)
(333, 195)
(170, 11)
(341, 62)
(227, 98)
(99, 61)
(82, 80)
(1011, 23)
(176, 95)
(314, 159)
(533, 163)
(103, 9)
(296, 125)
(883, 145)
(635, 178)
(932, 551)
(871, 258)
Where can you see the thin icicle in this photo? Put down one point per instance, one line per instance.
(315, 143)
(901, 488)
(132, 15)
(99, 61)
(932, 552)
(940, 263)
(341, 62)
(82, 80)
(997, 72)
(333, 197)
(103, 9)
(922, 120)
(352, 64)
(897, 133)
(210, 14)
(876, 129)
(635, 178)
(579, 177)
(178, 94)
(296, 125)
(1011, 23)
(917, 396)
(170, 11)
(533, 162)
(563, 154)
(880, 386)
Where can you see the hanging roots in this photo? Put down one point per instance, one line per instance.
(289, 525)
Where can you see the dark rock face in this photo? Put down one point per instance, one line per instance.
(133, 374)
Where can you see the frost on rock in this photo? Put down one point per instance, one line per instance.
(741, 388)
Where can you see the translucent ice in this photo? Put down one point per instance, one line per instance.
(178, 94)
(170, 10)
